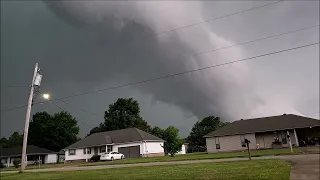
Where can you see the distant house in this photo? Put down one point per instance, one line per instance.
(34, 154)
(265, 132)
(184, 148)
(131, 142)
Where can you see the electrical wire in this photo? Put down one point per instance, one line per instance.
(233, 45)
(66, 111)
(216, 18)
(175, 74)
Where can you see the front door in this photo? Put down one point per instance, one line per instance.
(95, 150)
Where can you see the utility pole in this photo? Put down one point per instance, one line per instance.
(36, 80)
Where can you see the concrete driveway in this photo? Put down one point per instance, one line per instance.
(304, 167)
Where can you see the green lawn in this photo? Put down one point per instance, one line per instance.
(237, 170)
(189, 156)
(198, 156)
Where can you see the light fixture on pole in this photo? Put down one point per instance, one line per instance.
(46, 96)
(36, 81)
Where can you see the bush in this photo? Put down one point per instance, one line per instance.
(2, 165)
(16, 162)
(95, 158)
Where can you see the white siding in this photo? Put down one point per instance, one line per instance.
(50, 158)
(153, 147)
(79, 154)
(230, 143)
(183, 150)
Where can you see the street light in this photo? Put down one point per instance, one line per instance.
(46, 96)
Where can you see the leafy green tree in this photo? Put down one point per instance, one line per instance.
(173, 142)
(124, 113)
(200, 129)
(15, 139)
(157, 131)
(4, 143)
(53, 132)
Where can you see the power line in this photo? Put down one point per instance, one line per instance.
(233, 45)
(189, 71)
(209, 51)
(186, 72)
(86, 111)
(216, 18)
(247, 42)
(66, 111)
(175, 74)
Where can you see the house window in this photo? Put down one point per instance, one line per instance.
(284, 137)
(243, 142)
(102, 149)
(72, 152)
(217, 142)
(89, 150)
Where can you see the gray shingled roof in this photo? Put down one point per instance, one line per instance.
(116, 136)
(31, 150)
(282, 122)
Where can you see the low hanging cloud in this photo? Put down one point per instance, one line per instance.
(92, 42)
(119, 39)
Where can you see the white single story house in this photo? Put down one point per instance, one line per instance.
(34, 154)
(264, 133)
(184, 149)
(131, 142)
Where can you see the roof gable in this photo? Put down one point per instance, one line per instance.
(286, 121)
(116, 136)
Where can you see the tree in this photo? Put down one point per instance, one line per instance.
(4, 143)
(172, 143)
(15, 139)
(53, 132)
(157, 131)
(201, 128)
(124, 113)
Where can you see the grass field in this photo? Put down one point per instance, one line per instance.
(237, 170)
(189, 156)
(198, 156)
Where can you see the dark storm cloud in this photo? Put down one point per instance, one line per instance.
(113, 43)
(84, 46)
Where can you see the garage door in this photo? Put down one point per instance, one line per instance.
(130, 152)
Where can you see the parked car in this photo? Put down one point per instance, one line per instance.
(110, 156)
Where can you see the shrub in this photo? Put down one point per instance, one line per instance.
(16, 162)
(95, 158)
(2, 165)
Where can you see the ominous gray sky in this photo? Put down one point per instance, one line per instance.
(89, 45)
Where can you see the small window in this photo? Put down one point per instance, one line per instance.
(243, 142)
(72, 152)
(217, 142)
(89, 150)
(84, 151)
(102, 149)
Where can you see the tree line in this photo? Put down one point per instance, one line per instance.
(60, 130)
